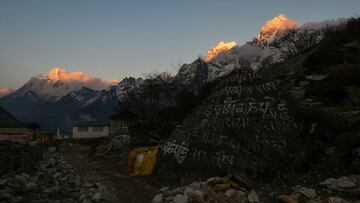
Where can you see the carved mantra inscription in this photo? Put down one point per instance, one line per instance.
(179, 151)
(245, 116)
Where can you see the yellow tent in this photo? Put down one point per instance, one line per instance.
(142, 160)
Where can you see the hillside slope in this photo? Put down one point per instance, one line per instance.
(323, 85)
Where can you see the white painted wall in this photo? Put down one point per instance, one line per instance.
(90, 133)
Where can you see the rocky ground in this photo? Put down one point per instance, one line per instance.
(52, 180)
(228, 190)
(70, 174)
(111, 170)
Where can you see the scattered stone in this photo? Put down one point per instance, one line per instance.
(158, 198)
(51, 162)
(356, 178)
(212, 196)
(179, 198)
(20, 178)
(229, 192)
(52, 149)
(346, 183)
(239, 197)
(86, 200)
(6, 194)
(236, 186)
(308, 192)
(169, 199)
(315, 77)
(97, 196)
(3, 182)
(195, 185)
(197, 195)
(87, 184)
(316, 200)
(31, 186)
(253, 197)
(221, 187)
(164, 189)
(330, 183)
(213, 180)
(57, 175)
(294, 198)
(336, 200)
(217, 189)
(172, 192)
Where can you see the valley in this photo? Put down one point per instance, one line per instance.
(275, 119)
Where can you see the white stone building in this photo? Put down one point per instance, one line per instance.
(91, 129)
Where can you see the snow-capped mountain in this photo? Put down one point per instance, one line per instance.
(60, 98)
(193, 75)
(221, 47)
(279, 38)
(57, 83)
(125, 86)
(47, 91)
(273, 27)
(222, 59)
(77, 97)
(255, 52)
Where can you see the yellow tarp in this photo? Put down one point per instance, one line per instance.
(142, 160)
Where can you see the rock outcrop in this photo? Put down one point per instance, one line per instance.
(245, 125)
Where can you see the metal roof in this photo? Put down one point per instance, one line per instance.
(91, 123)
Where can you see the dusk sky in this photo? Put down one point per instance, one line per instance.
(116, 39)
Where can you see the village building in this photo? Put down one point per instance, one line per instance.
(120, 122)
(12, 129)
(91, 129)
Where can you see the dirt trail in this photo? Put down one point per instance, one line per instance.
(110, 171)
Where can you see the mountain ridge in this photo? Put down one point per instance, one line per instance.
(47, 91)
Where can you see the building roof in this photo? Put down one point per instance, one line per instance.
(6, 117)
(18, 125)
(91, 123)
(124, 115)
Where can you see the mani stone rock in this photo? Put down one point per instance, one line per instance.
(244, 124)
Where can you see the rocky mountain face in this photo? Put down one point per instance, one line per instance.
(193, 76)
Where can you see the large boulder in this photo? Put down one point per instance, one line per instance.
(244, 125)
